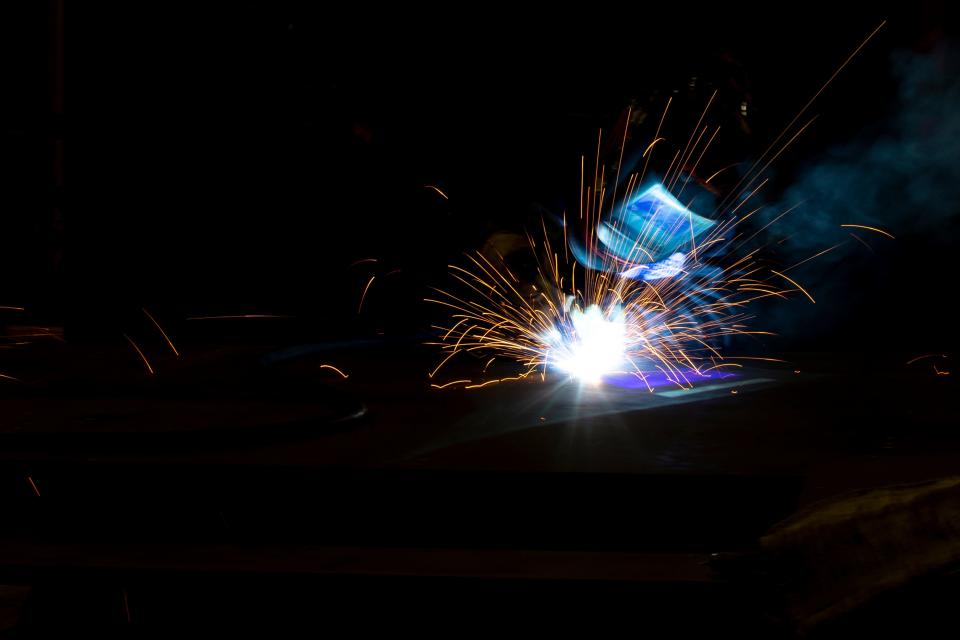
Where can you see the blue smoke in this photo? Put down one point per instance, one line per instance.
(903, 175)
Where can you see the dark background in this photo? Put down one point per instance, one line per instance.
(236, 158)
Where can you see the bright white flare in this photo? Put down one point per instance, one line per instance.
(591, 346)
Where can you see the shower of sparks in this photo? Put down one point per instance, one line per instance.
(654, 290)
(592, 323)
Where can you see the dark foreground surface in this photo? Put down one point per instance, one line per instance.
(251, 487)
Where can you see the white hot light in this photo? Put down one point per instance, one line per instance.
(593, 347)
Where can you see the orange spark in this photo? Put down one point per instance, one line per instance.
(863, 226)
(163, 333)
(430, 186)
(364, 296)
(731, 166)
(813, 257)
(445, 385)
(333, 368)
(143, 357)
(650, 146)
(796, 284)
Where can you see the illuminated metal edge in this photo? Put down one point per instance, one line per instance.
(532, 404)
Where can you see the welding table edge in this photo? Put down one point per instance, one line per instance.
(21, 561)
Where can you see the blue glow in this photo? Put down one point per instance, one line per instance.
(669, 268)
(652, 234)
(653, 226)
(658, 379)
